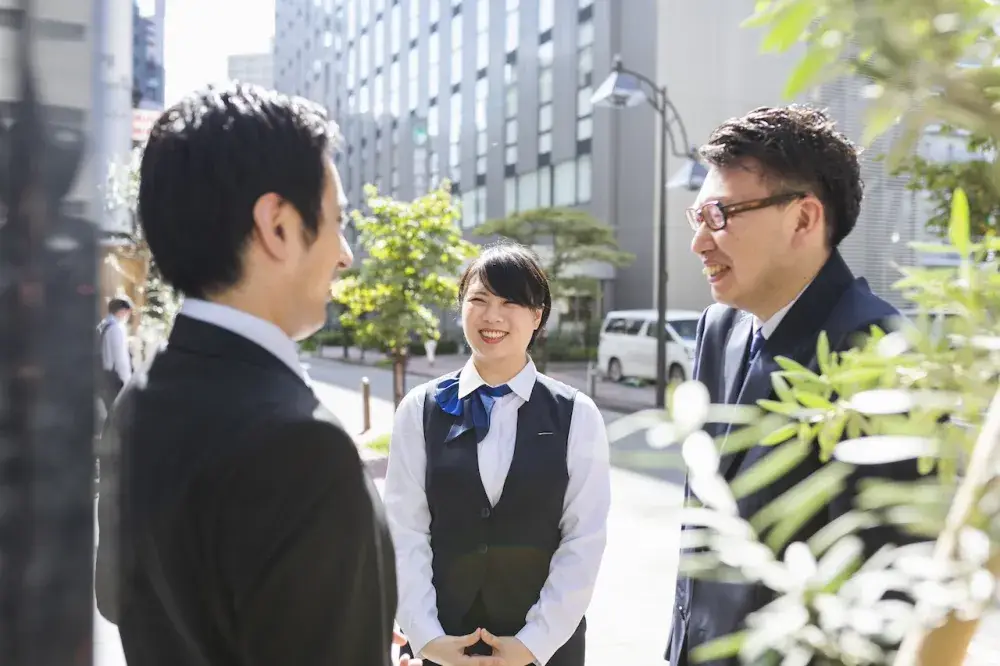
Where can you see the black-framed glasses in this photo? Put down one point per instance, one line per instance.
(715, 215)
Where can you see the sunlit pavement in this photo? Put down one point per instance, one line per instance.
(630, 615)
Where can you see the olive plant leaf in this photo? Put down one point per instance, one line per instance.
(882, 449)
(958, 226)
(770, 468)
(725, 647)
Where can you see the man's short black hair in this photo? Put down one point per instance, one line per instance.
(208, 159)
(796, 148)
(116, 305)
(512, 272)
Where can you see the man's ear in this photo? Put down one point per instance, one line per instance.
(271, 224)
(811, 217)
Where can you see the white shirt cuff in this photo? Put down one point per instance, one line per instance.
(420, 636)
(534, 638)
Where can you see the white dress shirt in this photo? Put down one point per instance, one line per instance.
(259, 331)
(114, 349)
(573, 570)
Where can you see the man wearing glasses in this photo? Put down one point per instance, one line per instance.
(783, 190)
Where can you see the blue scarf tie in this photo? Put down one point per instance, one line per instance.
(474, 408)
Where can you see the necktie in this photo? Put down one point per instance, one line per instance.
(756, 344)
(474, 408)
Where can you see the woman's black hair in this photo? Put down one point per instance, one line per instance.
(512, 272)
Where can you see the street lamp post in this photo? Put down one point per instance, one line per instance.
(622, 89)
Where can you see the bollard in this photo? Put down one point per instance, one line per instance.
(592, 378)
(366, 403)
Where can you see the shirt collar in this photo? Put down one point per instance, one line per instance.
(771, 325)
(259, 331)
(522, 383)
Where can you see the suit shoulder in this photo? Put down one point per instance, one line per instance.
(717, 316)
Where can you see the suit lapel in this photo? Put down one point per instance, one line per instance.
(736, 353)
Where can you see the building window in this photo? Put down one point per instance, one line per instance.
(546, 15)
(583, 166)
(564, 189)
(482, 34)
(482, 95)
(468, 209)
(527, 191)
(513, 29)
(415, 18)
(456, 48)
(434, 62)
(394, 89)
(413, 74)
(480, 205)
(455, 157)
(379, 42)
(545, 187)
(510, 196)
(585, 81)
(545, 57)
(378, 87)
(363, 47)
(395, 30)
(510, 113)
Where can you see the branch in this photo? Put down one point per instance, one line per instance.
(947, 645)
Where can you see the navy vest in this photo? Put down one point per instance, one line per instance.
(490, 563)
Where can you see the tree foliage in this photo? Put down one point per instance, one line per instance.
(570, 238)
(415, 251)
(938, 180)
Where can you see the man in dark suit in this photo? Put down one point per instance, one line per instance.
(783, 190)
(238, 525)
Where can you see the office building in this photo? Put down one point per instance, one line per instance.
(147, 54)
(495, 95)
(492, 94)
(257, 68)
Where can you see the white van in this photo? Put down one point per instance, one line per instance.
(627, 347)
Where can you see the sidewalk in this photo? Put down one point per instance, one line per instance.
(608, 395)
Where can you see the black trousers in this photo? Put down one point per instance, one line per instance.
(572, 653)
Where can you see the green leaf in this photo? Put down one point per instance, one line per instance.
(811, 400)
(785, 408)
(789, 26)
(770, 468)
(807, 71)
(881, 116)
(780, 435)
(958, 225)
(791, 366)
(781, 388)
(823, 352)
(828, 479)
(724, 647)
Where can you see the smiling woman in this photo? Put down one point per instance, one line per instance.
(513, 467)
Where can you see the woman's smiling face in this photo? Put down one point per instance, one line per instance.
(494, 326)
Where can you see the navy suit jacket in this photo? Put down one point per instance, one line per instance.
(844, 307)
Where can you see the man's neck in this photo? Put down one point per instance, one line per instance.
(241, 300)
(789, 288)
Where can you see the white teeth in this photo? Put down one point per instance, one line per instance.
(492, 335)
(713, 270)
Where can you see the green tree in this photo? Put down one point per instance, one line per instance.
(939, 180)
(415, 251)
(570, 237)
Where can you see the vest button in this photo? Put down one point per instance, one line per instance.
(486, 513)
(483, 549)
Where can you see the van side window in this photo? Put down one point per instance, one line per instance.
(634, 327)
(615, 326)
